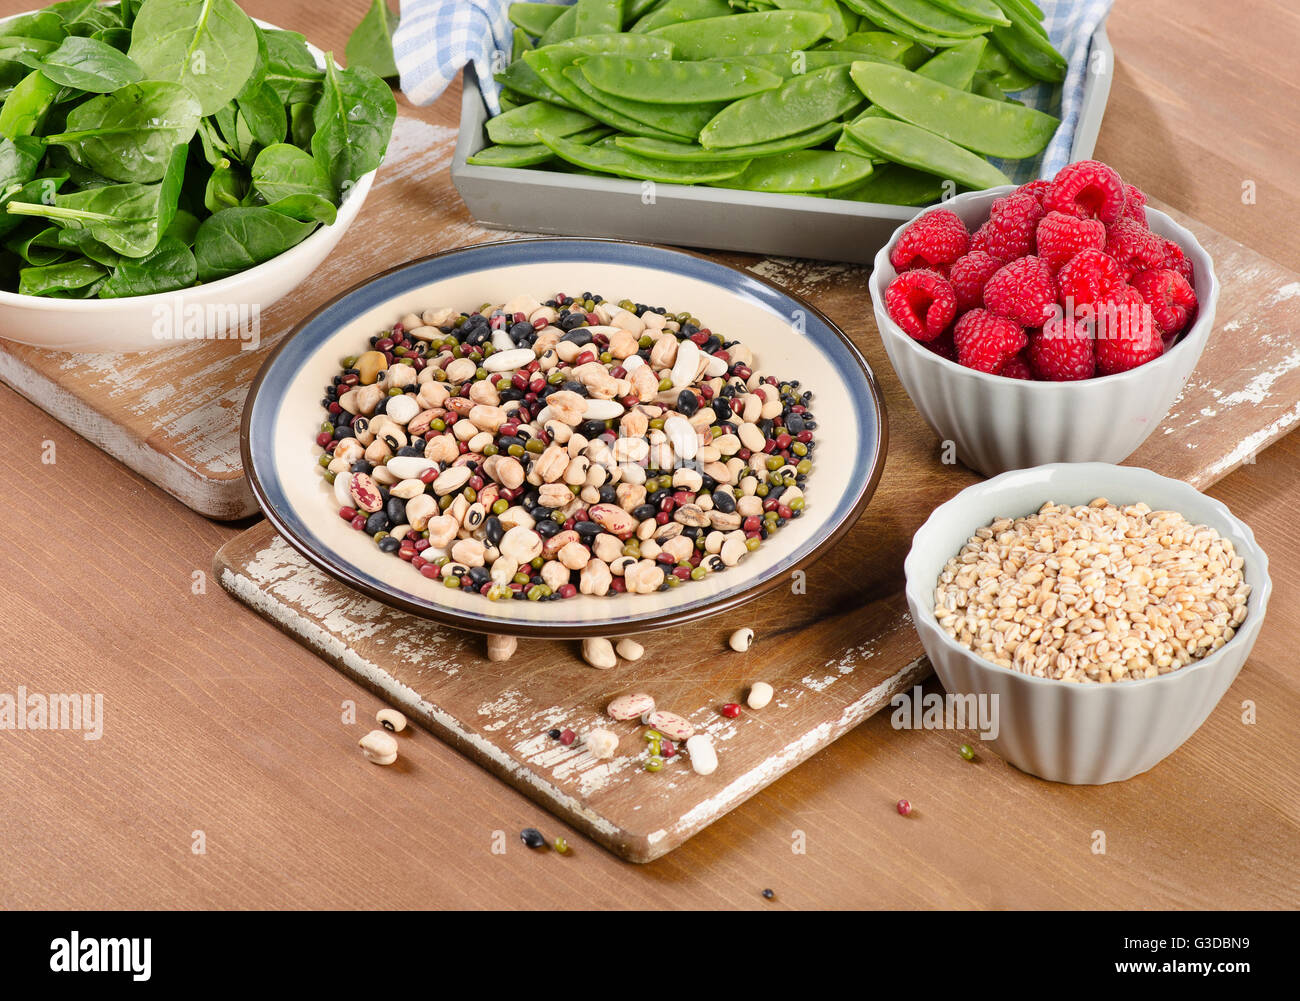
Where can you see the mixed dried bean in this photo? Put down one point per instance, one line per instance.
(541, 450)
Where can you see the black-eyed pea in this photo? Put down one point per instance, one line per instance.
(391, 720)
(749, 505)
(379, 746)
(558, 432)
(741, 640)
(442, 529)
(576, 445)
(618, 567)
(718, 471)
(590, 495)
(575, 473)
(568, 350)
(713, 541)
(749, 485)
(597, 475)
(713, 563)
(599, 653)
(733, 551)
(475, 516)
(709, 453)
(686, 478)
(760, 694)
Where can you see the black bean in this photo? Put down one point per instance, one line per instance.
(389, 545)
(587, 528)
(479, 575)
(361, 466)
(494, 530)
(724, 502)
(377, 522)
(546, 528)
(573, 386)
(396, 510)
(722, 409)
(591, 429)
(687, 403)
(794, 423)
(644, 511)
(609, 494)
(521, 333)
(342, 432)
(410, 450)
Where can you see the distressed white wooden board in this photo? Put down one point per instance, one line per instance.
(172, 414)
(830, 673)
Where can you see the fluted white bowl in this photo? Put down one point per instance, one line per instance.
(1082, 734)
(999, 423)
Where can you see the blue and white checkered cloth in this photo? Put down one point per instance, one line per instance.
(437, 38)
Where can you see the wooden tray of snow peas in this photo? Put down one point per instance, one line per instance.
(865, 109)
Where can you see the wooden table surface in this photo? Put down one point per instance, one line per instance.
(224, 735)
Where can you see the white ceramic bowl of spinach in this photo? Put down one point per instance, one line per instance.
(170, 169)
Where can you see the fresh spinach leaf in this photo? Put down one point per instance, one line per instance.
(87, 64)
(170, 267)
(354, 121)
(36, 242)
(226, 188)
(54, 279)
(184, 227)
(262, 112)
(130, 135)
(302, 126)
(20, 159)
(40, 190)
(210, 46)
(129, 218)
(291, 69)
(241, 238)
(24, 111)
(371, 44)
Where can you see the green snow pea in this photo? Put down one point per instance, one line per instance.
(1030, 20)
(518, 127)
(684, 120)
(838, 27)
(521, 78)
(672, 81)
(561, 29)
(1002, 72)
(659, 150)
(884, 44)
(984, 86)
(635, 9)
(799, 104)
(977, 123)
(597, 17)
(677, 11)
(519, 44)
(534, 18)
(893, 184)
(550, 63)
(609, 159)
(954, 67)
(902, 143)
(789, 65)
(927, 17)
(985, 11)
(1014, 43)
(800, 171)
(532, 154)
(883, 18)
(745, 34)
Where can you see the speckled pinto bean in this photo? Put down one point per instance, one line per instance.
(546, 448)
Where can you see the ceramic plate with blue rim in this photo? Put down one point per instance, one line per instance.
(790, 339)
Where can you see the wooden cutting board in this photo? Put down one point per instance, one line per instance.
(836, 648)
(173, 414)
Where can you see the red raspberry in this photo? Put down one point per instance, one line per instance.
(1022, 291)
(922, 303)
(1063, 351)
(1017, 367)
(1009, 233)
(1038, 189)
(1127, 335)
(943, 346)
(1088, 279)
(935, 239)
(1088, 189)
(1134, 204)
(968, 276)
(1171, 299)
(1061, 236)
(985, 341)
(1134, 247)
(1174, 260)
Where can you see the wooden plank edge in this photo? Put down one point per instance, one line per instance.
(222, 499)
(638, 848)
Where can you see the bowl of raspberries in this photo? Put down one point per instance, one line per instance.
(1053, 322)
